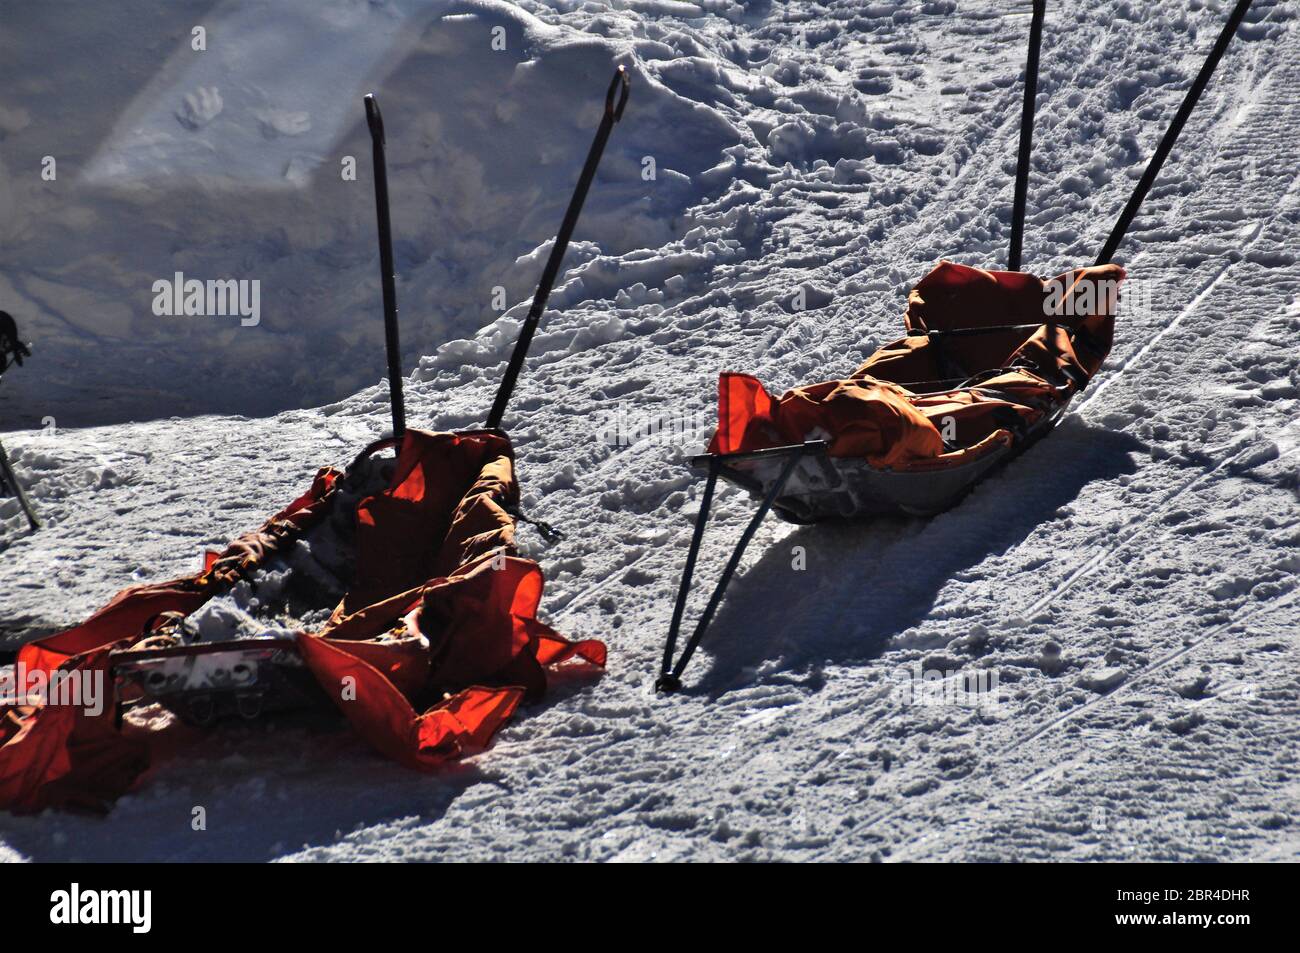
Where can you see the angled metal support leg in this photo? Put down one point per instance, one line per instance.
(9, 478)
(670, 675)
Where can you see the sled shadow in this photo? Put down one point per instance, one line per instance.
(265, 789)
(867, 581)
(260, 791)
(14, 635)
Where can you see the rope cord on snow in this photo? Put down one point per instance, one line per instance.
(546, 530)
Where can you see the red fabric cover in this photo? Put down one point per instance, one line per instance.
(479, 629)
(468, 640)
(61, 754)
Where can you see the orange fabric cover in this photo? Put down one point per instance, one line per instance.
(861, 418)
(440, 617)
(890, 410)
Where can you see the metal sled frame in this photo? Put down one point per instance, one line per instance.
(204, 682)
(825, 488)
(719, 463)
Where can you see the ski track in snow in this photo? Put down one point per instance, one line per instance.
(842, 148)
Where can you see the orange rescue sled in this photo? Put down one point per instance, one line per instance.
(989, 365)
(434, 645)
(977, 379)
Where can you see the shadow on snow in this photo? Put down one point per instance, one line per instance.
(866, 582)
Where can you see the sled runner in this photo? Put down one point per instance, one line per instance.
(989, 365)
(432, 641)
(12, 352)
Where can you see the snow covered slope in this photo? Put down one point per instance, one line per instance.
(236, 161)
(1131, 581)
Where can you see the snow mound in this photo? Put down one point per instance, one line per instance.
(250, 160)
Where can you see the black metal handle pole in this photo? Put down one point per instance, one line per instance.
(375, 120)
(1171, 135)
(1026, 136)
(614, 104)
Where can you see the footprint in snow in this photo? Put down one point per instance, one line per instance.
(200, 108)
(283, 122)
(1103, 680)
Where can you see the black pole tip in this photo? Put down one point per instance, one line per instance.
(374, 118)
(667, 684)
(622, 80)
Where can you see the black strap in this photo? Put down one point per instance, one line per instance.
(546, 530)
(945, 361)
(989, 329)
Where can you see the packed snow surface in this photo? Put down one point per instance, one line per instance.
(784, 173)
